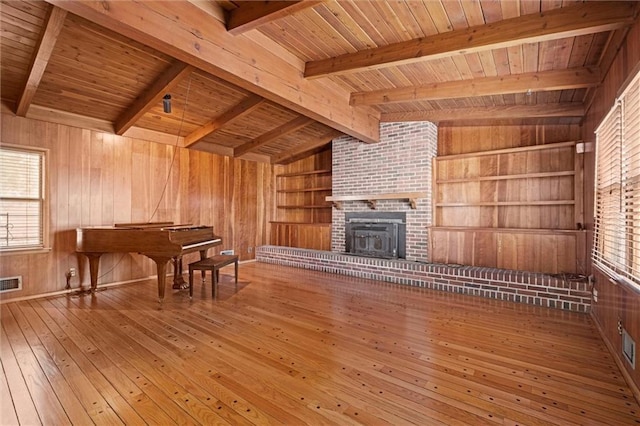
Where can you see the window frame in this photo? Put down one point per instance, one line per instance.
(616, 237)
(44, 245)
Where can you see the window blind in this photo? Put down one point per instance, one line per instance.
(616, 248)
(21, 198)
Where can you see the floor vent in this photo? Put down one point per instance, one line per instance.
(629, 348)
(10, 284)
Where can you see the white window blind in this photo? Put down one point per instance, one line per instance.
(21, 198)
(616, 248)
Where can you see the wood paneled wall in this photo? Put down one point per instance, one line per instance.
(100, 179)
(615, 302)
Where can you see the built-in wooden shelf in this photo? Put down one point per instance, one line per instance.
(289, 191)
(300, 196)
(508, 151)
(513, 208)
(275, 222)
(307, 173)
(541, 231)
(303, 206)
(509, 203)
(509, 177)
(372, 199)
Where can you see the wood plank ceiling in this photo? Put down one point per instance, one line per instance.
(274, 81)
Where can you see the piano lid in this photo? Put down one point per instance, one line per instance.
(144, 240)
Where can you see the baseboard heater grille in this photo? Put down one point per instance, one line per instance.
(629, 348)
(10, 284)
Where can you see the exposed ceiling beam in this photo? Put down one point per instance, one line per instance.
(55, 23)
(152, 96)
(289, 127)
(306, 149)
(516, 83)
(251, 14)
(202, 41)
(571, 21)
(244, 107)
(565, 109)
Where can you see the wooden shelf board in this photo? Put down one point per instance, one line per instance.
(509, 203)
(507, 230)
(306, 207)
(302, 223)
(287, 191)
(508, 177)
(312, 172)
(508, 150)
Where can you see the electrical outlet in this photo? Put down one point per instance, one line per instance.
(72, 272)
(250, 250)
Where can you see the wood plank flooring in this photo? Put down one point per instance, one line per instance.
(294, 347)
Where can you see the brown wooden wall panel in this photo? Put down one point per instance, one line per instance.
(310, 236)
(100, 179)
(533, 251)
(614, 301)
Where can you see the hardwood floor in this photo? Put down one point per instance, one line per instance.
(293, 346)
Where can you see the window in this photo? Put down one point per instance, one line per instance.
(22, 198)
(616, 247)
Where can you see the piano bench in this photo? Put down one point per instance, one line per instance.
(213, 264)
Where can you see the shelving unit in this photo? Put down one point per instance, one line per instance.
(513, 208)
(303, 216)
(302, 195)
(519, 188)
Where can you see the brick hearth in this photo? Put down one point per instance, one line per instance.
(525, 287)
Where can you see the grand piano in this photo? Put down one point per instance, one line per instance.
(159, 241)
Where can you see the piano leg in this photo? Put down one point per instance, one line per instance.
(161, 266)
(94, 264)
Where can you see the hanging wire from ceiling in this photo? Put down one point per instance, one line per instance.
(175, 151)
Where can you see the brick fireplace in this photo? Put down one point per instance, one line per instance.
(399, 163)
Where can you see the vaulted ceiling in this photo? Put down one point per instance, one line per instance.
(275, 81)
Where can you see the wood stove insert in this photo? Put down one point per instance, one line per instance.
(376, 234)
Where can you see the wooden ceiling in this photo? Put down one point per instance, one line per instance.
(275, 81)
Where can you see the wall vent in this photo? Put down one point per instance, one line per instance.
(629, 348)
(227, 252)
(10, 284)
